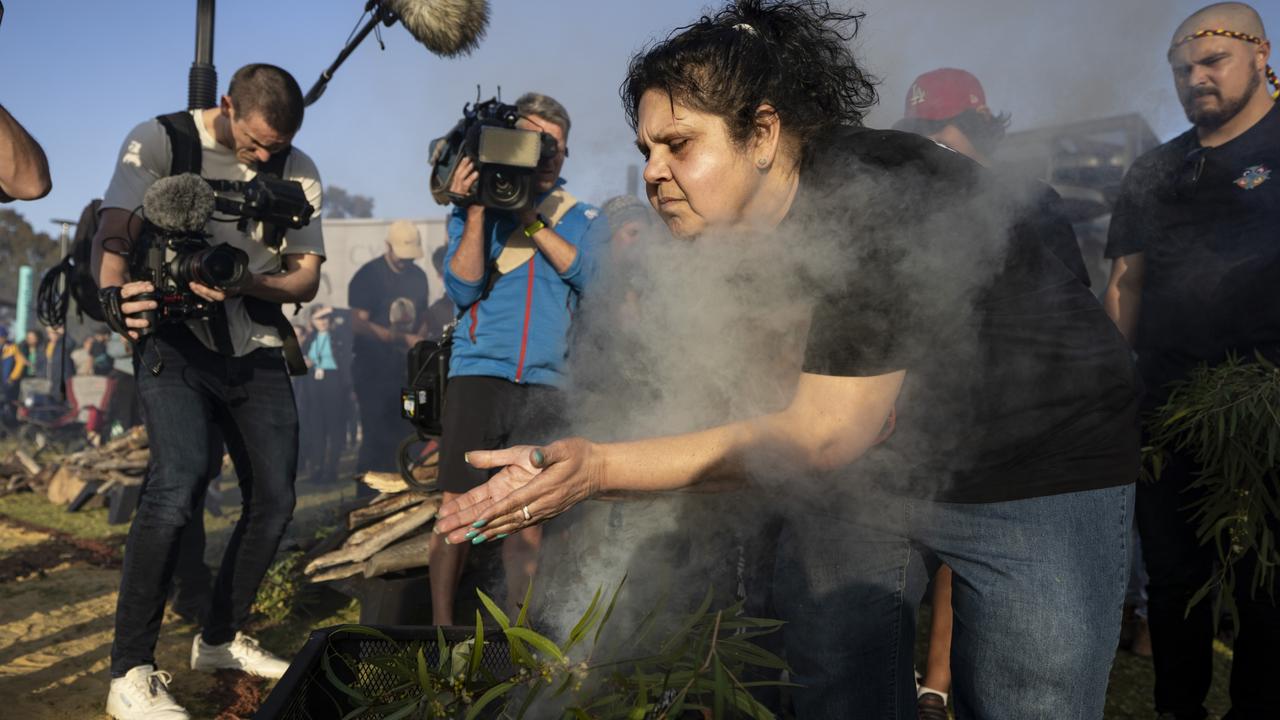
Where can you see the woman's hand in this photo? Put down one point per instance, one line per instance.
(543, 481)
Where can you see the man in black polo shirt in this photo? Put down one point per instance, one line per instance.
(1196, 276)
(388, 299)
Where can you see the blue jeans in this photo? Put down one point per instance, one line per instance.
(198, 397)
(1038, 597)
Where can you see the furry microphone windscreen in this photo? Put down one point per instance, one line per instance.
(446, 27)
(179, 203)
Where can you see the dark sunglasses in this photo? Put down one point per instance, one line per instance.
(1189, 175)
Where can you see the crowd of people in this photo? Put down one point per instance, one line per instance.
(965, 415)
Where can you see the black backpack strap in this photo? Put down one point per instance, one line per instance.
(184, 141)
(272, 315)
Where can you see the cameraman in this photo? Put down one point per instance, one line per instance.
(517, 278)
(225, 375)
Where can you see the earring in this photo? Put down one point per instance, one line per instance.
(762, 163)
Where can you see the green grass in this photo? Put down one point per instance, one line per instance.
(36, 509)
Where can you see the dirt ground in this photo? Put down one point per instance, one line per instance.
(57, 603)
(56, 627)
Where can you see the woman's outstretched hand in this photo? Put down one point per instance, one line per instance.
(534, 485)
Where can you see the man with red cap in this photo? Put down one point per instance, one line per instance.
(949, 107)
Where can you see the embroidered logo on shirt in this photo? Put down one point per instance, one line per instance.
(1253, 177)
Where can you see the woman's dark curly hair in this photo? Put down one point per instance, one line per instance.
(791, 54)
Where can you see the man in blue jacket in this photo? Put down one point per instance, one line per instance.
(517, 278)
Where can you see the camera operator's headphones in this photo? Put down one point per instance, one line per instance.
(186, 157)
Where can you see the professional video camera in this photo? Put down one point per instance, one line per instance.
(173, 249)
(505, 156)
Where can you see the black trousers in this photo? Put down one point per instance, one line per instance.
(382, 429)
(249, 400)
(1181, 641)
(331, 403)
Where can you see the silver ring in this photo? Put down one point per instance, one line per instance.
(525, 510)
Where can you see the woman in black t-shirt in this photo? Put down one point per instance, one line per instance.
(1013, 444)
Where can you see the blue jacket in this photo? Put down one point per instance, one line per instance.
(519, 331)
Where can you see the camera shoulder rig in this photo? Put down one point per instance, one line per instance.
(186, 157)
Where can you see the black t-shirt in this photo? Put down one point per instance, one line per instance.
(1018, 385)
(1207, 221)
(375, 288)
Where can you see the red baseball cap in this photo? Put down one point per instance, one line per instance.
(943, 94)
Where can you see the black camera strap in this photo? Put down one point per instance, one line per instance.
(186, 157)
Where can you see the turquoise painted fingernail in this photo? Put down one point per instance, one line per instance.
(479, 523)
(472, 534)
(478, 539)
(499, 537)
(538, 458)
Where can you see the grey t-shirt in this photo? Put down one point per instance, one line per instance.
(145, 157)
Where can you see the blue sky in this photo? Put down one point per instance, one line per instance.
(80, 73)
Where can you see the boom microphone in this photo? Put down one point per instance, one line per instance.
(447, 27)
(179, 203)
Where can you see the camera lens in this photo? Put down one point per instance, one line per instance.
(504, 189)
(220, 266)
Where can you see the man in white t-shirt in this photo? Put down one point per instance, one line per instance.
(199, 381)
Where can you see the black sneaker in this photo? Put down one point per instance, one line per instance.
(931, 706)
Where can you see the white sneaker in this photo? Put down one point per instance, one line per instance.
(242, 653)
(143, 694)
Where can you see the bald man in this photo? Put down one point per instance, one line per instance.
(1196, 277)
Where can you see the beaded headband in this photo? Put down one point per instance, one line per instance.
(1219, 32)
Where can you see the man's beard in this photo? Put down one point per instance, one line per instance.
(1228, 108)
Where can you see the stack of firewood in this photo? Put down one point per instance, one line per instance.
(388, 534)
(20, 472)
(95, 471)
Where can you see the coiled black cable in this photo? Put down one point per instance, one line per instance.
(53, 297)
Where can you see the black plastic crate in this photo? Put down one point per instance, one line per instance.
(305, 693)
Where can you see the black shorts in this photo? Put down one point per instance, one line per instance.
(487, 413)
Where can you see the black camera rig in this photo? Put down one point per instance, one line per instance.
(505, 156)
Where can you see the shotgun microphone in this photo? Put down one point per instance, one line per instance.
(448, 28)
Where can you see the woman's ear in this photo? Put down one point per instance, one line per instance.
(767, 141)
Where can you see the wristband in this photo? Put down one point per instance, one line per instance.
(532, 228)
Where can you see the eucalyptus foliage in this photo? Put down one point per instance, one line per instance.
(1227, 418)
(696, 671)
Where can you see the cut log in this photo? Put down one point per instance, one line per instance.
(411, 553)
(28, 463)
(364, 533)
(338, 573)
(65, 485)
(387, 533)
(379, 509)
(122, 465)
(386, 482)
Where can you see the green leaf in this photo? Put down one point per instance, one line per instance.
(522, 620)
(722, 689)
(503, 621)
(608, 613)
(584, 623)
(424, 676)
(540, 643)
(402, 712)
(489, 696)
(326, 664)
(477, 650)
